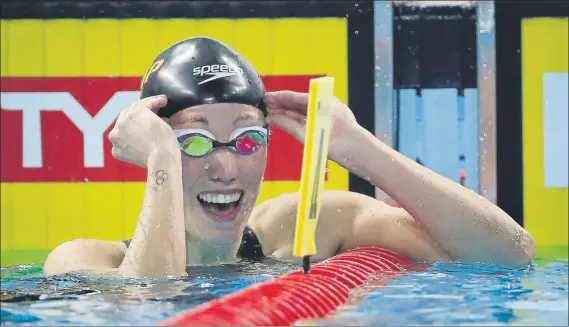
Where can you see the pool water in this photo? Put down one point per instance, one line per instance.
(444, 294)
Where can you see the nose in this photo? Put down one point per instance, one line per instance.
(223, 166)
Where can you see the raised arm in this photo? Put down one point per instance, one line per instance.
(464, 224)
(158, 246)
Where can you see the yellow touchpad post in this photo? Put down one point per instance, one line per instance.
(314, 160)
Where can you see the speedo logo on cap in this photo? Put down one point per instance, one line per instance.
(216, 72)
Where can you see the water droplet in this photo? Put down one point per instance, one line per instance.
(339, 210)
(518, 51)
(206, 166)
(484, 65)
(485, 134)
(356, 4)
(86, 180)
(356, 32)
(377, 67)
(376, 85)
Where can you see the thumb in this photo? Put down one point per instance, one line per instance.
(289, 125)
(154, 103)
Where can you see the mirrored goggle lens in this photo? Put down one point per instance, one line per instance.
(196, 145)
(250, 142)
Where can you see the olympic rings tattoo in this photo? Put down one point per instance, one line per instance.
(161, 177)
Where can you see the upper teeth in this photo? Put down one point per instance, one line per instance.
(219, 198)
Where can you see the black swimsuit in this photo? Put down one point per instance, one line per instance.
(250, 248)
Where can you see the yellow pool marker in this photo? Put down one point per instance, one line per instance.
(318, 123)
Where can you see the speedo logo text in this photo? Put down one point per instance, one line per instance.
(216, 72)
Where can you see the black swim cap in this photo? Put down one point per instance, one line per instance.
(200, 71)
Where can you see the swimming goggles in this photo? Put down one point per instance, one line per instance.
(199, 142)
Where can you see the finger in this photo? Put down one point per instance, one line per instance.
(154, 102)
(298, 117)
(114, 136)
(116, 152)
(287, 100)
(289, 125)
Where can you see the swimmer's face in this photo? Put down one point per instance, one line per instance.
(220, 187)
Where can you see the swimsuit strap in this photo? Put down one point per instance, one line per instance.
(126, 242)
(250, 248)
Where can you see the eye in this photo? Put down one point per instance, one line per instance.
(196, 145)
(250, 142)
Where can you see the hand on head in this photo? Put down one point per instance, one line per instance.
(287, 110)
(138, 131)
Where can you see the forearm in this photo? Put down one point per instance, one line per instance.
(158, 247)
(466, 225)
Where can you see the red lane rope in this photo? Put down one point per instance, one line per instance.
(284, 300)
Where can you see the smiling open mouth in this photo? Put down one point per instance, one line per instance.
(221, 206)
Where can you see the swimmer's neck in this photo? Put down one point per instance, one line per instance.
(199, 252)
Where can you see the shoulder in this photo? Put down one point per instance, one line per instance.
(83, 253)
(350, 203)
(85, 244)
(328, 196)
(274, 220)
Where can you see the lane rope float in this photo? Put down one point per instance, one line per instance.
(297, 296)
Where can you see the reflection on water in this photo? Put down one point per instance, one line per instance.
(460, 294)
(31, 299)
(445, 294)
